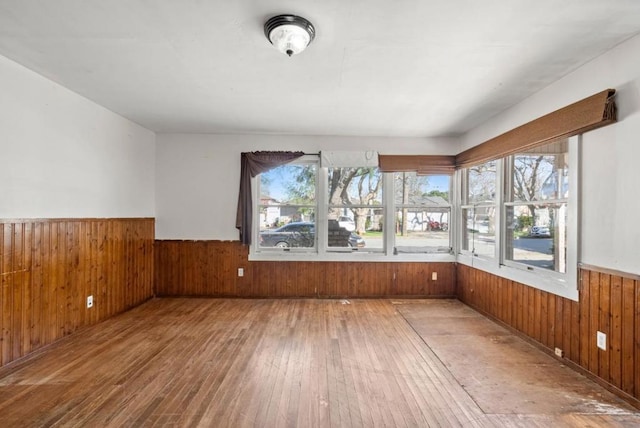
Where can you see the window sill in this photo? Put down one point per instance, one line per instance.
(350, 257)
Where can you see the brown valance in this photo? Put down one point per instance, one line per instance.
(423, 165)
(590, 113)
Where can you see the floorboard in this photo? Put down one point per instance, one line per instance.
(300, 363)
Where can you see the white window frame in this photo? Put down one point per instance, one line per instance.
(450, 220)
(322, 252)
(469, 257)
(255, 190)
(324, 177)
(561, 284)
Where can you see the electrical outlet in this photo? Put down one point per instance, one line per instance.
(240, 271)
(89, 301)
(434, 276)
(559, 352)
(601, 340)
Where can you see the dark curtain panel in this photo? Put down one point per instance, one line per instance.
(252, 164)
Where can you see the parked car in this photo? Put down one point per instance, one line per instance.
(356, 240)
(540, 232)
(299, 234)
(347, 223)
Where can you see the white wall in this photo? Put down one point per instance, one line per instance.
(610, 208)
(62, 155)
(198, 176)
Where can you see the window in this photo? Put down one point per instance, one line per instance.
(355, 214)
(287, 206)
(519, 217)
(335, 212)
(536, 198)
(422, 212)
(478, 209)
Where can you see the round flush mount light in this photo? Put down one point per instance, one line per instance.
(290, 34)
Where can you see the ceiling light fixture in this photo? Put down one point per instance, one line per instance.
(290, 34)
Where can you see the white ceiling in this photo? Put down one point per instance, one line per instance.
(376, 68)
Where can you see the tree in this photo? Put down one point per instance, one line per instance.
(529, 174)
(354, 186)
(302, 190)
(482, 182)
(443, 195)
(348, 188)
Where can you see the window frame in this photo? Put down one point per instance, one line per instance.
(511, 201)
(561, 284)
(256, 193)
(465, 205)
(448, 209)
(324, 176)
(321, 251)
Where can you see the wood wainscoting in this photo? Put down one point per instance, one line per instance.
(608, 302)
(210, 268)
(48, 267)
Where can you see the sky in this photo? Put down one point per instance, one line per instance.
(279, 177)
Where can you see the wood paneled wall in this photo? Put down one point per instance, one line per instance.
(608, 302)
(48, 267)
(210, 268)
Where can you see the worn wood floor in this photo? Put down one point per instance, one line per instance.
(300, 363)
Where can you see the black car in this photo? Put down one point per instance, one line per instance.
(299, 234)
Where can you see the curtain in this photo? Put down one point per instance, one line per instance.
(347, 159)
(590, 113)
(252, 164)
(422, 164)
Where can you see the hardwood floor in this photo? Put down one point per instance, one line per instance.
(300, 363)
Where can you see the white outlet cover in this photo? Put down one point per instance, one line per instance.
(601, 339)
(89, 301)
(240, 271)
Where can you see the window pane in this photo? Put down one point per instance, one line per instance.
(342, 234)
(536, 235)
(535, 226)
(373, 235)
(468, 231)
(354, 186)
(289, 184)
(422, 229)
(480, 232)
(417, 190)
(538, 177)
(294, 234)
(287, 206)
(422, 212)
(481, 183)
(355, 211)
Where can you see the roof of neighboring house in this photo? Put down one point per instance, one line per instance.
(437, 201)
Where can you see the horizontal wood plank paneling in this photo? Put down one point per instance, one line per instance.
(48, 267)
(210, 268)
(608, 302)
